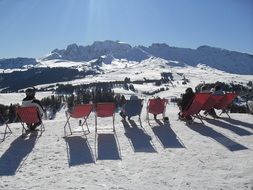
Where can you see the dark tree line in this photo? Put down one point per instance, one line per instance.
(100, 93)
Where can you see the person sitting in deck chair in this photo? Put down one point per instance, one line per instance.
(122, 112)
(186, 101)
(30, 100)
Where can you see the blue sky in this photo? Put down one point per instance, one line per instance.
(32, 28)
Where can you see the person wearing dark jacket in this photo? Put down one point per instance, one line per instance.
(186, 101)
(30, 100)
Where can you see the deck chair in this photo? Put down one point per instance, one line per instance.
(225, 102)
(29, 115)
(105, 110)
(7, 130)
(196, 105)
(133, 108)
(156, 106)
(80, 111)
(212, 100)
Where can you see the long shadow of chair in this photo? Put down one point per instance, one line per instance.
(14, 157)
(235, 129)
(139, 139)
(238, 122)
(166, 136)
(220, 138)
(79, 151)
(107, 147)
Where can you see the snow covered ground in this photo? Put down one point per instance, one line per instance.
(216, 155)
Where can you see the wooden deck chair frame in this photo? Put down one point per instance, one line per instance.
(29, 115)
(7, 129)
(80, 111)
(196, 105)
(100, 112)
(225, 102)
(164, 103)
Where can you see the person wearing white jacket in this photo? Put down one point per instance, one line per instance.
(30, 100)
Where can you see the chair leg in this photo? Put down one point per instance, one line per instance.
(140, 120)
(164, 114)
(113, 123)
(67, 123)
(5, 131)
(225, 112)
(95, 123)
(147, 118)
(95, 146)
(7, 126)
(199, 117)
(42, 128)
(23, 129)
(95, 142)
(85, 122)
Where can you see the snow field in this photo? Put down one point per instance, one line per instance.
(217, 155)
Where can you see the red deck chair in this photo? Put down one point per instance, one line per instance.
(29, 115)
(198, 101)
(79, 111)
(212, 100)
(105, 110)
(225, 102)
(156, 106)
(7, 129)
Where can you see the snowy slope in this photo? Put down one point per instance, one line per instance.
(151, 68)
(217, 155)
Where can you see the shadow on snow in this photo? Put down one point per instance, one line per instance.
(237, 130)
(219, 137)
(79, 151)
(107, 147)
(14, 157)
(166, 136)
(139, 139)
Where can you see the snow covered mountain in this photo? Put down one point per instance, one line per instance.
(113, 61)
(225, 60)
(19, 62)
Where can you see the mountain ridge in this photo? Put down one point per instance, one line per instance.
(218, 58)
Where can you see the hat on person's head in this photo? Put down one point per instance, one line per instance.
(189, 90)
(217, 87)
(203, 88)
(30, 91)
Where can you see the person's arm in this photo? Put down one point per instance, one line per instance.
(39, 103)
